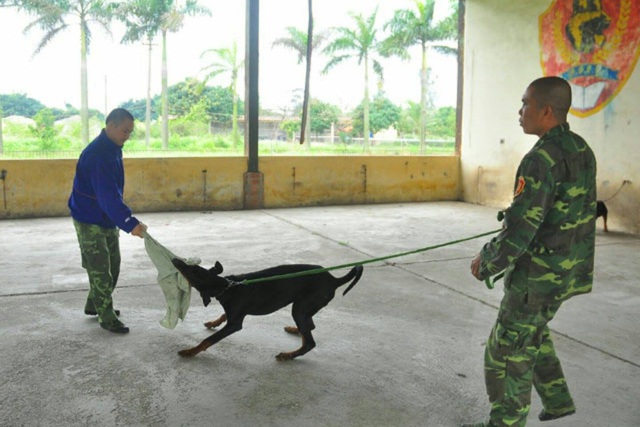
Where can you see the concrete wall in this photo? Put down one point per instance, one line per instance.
(36, 188)
(502, 56)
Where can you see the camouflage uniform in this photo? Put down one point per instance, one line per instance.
(100, 250)
(546, 249)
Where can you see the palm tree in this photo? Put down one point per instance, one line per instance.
(1, 140)
(297, 41)
(172, 21)
(142, 19)
(417, 27)
(53, 17)
(5, 3)
(359, 43)
(227, 63)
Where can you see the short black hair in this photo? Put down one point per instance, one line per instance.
(118, 116)
(554, 92)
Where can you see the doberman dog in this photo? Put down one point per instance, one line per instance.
(308, 294)
(602, 211)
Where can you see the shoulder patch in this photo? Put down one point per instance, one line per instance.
(519, 187)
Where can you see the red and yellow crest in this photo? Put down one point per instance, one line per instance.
(593, 44)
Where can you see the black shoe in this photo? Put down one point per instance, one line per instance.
(93, 312)
(116, 329)
(543, 416)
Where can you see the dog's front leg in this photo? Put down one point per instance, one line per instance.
(229, 328)
(215, 323)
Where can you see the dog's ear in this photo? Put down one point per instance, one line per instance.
(206, 300)
(216, 268)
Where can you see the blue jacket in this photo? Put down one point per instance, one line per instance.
(96, 197)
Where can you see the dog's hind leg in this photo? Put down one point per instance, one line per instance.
(308, 343)
(215, 323)
(294, 329)
(304, 328)
(229, 328)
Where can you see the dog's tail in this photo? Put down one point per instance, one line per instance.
(354, 275)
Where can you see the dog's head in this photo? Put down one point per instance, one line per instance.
(207, 282)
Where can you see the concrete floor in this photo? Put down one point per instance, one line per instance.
(403, 348)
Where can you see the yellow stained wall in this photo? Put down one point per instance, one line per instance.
(40, 188)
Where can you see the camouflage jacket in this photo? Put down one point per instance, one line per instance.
(549, 228)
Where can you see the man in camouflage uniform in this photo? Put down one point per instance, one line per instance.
(98, 210)
(546, 249)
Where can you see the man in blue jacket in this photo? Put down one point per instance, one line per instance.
(98, 211)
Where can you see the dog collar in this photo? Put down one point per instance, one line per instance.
(230, 284)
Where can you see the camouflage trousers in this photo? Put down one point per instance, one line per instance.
(519, 354)
(100, 250)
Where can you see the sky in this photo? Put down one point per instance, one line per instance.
(118, 72)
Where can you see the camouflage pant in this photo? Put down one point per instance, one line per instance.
(519, 354)
(100, 250)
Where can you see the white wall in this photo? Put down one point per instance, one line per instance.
(502, 56)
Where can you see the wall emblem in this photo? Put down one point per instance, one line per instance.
(593, 44)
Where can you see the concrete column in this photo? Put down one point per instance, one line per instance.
(251, 109)
(253, 190)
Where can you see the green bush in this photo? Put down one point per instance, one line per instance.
(16, 130)
(44, 129)
(185, 127)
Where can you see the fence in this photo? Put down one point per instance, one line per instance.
(318, 146)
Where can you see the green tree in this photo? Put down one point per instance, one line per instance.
(297, 41)
(44, 128)
(442, 122)
(172, 22)
(323, 115)
(19, 104)
(291, 127)
(409, 122)
(138, 108)
(11, 3)
(70, 110)
(55, 16)
(383, 114)
(227, 62)
(357, 43)
(184, 95)
(223, 104)
(417, 27)
(195, 122)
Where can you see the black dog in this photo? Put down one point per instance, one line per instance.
(307, 293)
(602, 211)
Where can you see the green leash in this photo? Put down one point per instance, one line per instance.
(368, 261)
(491, 281)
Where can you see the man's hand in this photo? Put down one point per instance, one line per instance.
(475, 267)
(140, 228)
